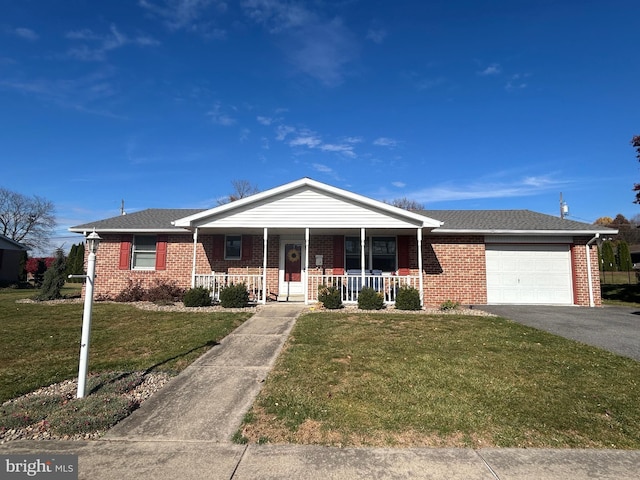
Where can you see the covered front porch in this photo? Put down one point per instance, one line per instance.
(288, 241)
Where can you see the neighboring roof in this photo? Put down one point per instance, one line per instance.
(152, 220)
(509, 221)
(8, 244)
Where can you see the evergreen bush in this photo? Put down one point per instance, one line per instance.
(369, 299)
(234, 296)
(449, 305)
(330, 297)
(54, 278)
(408, 298)
(197, 297)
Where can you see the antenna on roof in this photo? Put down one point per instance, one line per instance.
(122, 212)
(564, 208)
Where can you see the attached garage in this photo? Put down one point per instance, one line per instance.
(529, 274)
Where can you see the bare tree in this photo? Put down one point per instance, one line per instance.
(28, 220)
(241, 189)
(405, 203)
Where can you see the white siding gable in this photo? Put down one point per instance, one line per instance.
(310, 207)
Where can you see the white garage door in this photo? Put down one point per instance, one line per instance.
(529, 274)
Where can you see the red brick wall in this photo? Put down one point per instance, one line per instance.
(580, 274)
(455, 269)
(454, 266)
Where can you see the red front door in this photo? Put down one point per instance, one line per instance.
(292, 262)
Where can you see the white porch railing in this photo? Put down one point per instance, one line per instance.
(350, 285)
(216, 281)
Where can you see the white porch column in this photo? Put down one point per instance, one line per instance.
(420, 267)
(305, 277)
(265, 235)
(363, 241)
(193, 266)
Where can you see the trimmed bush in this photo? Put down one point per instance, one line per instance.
(164, 291)
(408, 298)
(234, 296)
(197, 297)
(329, 297)
(449, 305)
(369, 299)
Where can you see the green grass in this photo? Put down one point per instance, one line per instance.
(444, 380)
(41, 343)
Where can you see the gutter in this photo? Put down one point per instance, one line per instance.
(589, 276)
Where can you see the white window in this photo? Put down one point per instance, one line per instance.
(379, 253)
(232, 247)
(143, 252)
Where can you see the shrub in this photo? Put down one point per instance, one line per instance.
(197, 297)
(369, 299)
(234, 296)
(54, 278)
(408, 298)
(449, 305)
(164, 291)
(330, 297)
(133, 292)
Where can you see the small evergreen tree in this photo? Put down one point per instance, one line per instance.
(624, 257)
(608, 258)
(75, 262)
(54, 278)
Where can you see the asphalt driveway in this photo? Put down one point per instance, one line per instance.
(616, 329)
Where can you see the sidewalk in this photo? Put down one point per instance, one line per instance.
(184, 432)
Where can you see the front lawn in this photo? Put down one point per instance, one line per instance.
(41, 343)
(443, 380)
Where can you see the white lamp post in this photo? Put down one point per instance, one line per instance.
(93, 240)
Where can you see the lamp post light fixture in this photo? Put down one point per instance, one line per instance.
(93, 241)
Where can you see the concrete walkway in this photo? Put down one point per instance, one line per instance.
(184, 432)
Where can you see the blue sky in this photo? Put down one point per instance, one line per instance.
(456, 104)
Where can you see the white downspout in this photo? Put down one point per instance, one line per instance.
(265, 235)
(420, 267)
(363, 241)
(193, 266)
(589, 276)
(306, 266)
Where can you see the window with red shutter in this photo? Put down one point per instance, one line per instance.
(161, 252)
(125, 252)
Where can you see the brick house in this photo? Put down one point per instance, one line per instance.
(285, 242)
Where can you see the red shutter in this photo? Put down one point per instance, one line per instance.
(247, 247)
(218, 247)
(403, 255)
(161, 252)
(338, 255)
(125, 252)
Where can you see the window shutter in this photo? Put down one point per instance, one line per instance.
(218, 247)
(161, 252)
(125, 252)
(403, 255)
(247, 247)
(338, 255)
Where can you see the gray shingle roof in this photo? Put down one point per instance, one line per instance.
(149, 219)
(518, 220)
(159, 219)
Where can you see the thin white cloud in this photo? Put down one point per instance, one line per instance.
(26, 34)
(219, 117)
(493, 69)
(520, 187)
(399, 184)
(346, 150)
(516, 82)
(264, 120)
(319, 47)
(282, 131)
(97, 45)
(196, 16)
(319, 167)
(376, 34)
(309, 141)
(385, 142)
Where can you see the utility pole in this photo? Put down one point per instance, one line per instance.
(564, 208)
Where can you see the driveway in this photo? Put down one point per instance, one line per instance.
(616, 329)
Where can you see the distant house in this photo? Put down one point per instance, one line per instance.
(10, 255)
(285, 242)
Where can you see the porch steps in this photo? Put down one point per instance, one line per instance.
(291, 298)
